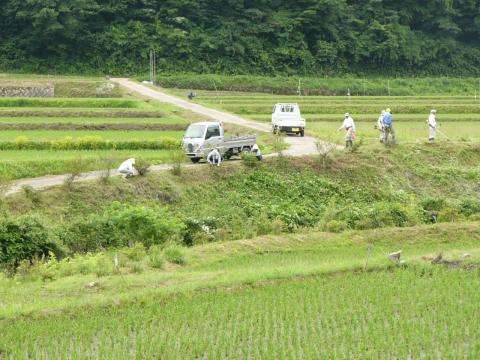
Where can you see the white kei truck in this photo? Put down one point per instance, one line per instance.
(200, 138)
(286, 117)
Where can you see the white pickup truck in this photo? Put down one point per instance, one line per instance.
(287, 118)
(201, 138)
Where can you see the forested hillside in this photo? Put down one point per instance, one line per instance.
(306, 37)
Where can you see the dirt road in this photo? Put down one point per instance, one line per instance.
(297, 146)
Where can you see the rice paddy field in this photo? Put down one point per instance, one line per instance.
(79, 131)
(310, 296)
(458, 116)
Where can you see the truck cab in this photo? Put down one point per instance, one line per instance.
(286, 117)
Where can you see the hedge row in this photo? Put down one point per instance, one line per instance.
(89, 144)
(69, 103)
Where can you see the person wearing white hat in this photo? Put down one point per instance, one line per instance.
(388, 128)
(349, 126)
(127, 168)
(432, 125)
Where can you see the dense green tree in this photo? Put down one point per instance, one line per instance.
(242, 36)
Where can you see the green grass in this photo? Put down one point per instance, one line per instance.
(19, 164)
(169, 119)
(324, 86)
(83, 89)
(406, 132)
(353, 315)
(223, 289)
(458, 115)
(39, 135)
(67, 103)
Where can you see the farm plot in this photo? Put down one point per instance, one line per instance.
(61, 135)
(416, 312)
(459, 116)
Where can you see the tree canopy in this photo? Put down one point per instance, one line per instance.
(321, 37)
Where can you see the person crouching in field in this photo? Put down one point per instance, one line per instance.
(381, 126)
(388, 128)
(349, 126)
(214, 157)
(127, 168)
(432, 125)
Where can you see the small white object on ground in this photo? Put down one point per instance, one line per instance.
(395, 256)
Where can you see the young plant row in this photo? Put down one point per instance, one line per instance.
(68, 103)
(351, 315)
(88, 143)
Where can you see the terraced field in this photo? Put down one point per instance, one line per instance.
(459, 116)
(75, 131)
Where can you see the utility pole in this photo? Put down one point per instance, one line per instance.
(153, 70)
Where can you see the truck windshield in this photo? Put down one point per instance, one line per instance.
(195, 131)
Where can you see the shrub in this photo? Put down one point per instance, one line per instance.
(136, 253)
(142, 166)
(194, 228)
(334, 226)
(32, 195)
(178, 158)
(433, 204)
(155, 257)
(250, 159)
(449, 214)
(122, 225)
(104, 267)
(174, 255)
(469, 207)
(24, 238)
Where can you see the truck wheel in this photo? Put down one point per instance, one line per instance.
(302, 132)
(227, 155)
(259, 157)
(195, 160)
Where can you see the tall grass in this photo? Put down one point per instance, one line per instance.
(324, 86)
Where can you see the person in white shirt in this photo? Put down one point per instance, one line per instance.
(381, 126)
(127, 168)
(349, 126)
(214, 157)
(258, 153)
(432, 125)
